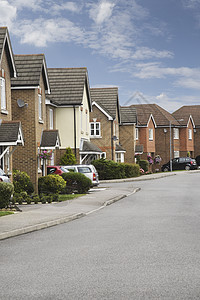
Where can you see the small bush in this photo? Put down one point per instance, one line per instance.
(108, 169)
(28, 199)
(144, 164)
(22, 182)
(55, 197)
(6, 190)
(132, 170)
(50, 184)
(76, 182)
(68, 158)
(36, 199)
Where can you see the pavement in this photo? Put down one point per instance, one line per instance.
(39, 216)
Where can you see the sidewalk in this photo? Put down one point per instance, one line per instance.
(40, 216)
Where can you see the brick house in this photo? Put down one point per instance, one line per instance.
(28, 105)
(166, 126)
(10, 131)
(104, 122)
(127, 132)
(70, 96)
(189, 117)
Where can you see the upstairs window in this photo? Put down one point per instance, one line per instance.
(40, 107)
(50, 118)
(3, 93)
(150, 134)
(190, 134)
(176, 134)
(136, 134)
(95, 129)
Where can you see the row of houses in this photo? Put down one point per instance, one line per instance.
(55, 108)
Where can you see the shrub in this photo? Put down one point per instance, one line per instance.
(50, 184)
(22, 182)
(68, 158)
(132, 170)
(108, 169)
(6, 190)
(55, 197)
(144, 164)
(28, 199)
(36, 199)
(76, 182)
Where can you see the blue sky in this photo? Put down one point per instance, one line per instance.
(150, 49)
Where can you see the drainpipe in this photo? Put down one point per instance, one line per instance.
(112, 146)
(74, 130)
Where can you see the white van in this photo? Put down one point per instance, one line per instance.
(88, 170)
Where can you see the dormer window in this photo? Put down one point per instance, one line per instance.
(150, 134)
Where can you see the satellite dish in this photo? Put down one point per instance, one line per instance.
(21, 103)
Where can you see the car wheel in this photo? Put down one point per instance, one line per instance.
(187, 168)
(165, 169)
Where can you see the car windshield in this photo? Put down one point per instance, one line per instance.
(1, 172)
(84, 169)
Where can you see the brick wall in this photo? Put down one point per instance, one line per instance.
(127, 140)
(26, 158)
(5, 67)
(104, 142)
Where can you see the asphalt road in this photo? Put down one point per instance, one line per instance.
(145, 246)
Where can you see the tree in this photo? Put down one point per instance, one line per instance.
(68, 158)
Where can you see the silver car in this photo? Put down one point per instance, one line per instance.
(4, 177)
(88, 170)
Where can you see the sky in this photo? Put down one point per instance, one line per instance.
(150, 49)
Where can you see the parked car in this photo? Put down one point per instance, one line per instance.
(180, 163)
(88, 170)
(56, 170)
(4, 177)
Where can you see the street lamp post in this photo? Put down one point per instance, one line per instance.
(170, 145)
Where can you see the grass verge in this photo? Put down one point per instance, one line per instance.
(5, 213)
(69, 197)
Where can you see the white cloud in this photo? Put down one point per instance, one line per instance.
(101, 12)
(144, 53)
(34, 5)
(70, 6)
(8, 13)
(52, 31)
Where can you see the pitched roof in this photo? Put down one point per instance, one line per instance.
(119, 148)
(186, 111)
(67, 85)
(29, 70)
(107, 99)
(128, 115)
(50, 139)
(5, 45)
(89, 147)
(160, 115)
(11, 133)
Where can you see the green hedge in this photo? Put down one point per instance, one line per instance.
(76, 183)
(22, 182)
(132, 170)
(108, 169)
(6, 190)
(50, 184)
(144, 164)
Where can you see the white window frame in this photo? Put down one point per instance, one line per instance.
(119, 157)
(86, 120)
(190, 134)
(150, 134)
(40, 107)
(176, 154)
(95, 129)
(176, 133)
(50, 118)
(136, 134)
(3, 94)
